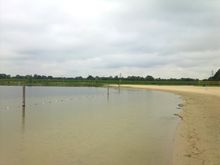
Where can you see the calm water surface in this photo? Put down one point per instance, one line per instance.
(86, 126)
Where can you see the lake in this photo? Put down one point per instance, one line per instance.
(86, 126)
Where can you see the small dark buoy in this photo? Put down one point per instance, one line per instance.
(180, 105)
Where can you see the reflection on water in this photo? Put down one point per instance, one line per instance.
(23, 119)
(108, 92)
(78, 126)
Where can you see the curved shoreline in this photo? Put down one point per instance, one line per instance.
(197, 140)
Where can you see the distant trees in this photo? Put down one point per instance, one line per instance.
(30, 78)
(149, 78)
(42, 77)
(4, 76)
(90, 77)
(79, 78)
(35, 76)
(216, 77)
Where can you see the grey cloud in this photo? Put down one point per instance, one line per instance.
(107, 37)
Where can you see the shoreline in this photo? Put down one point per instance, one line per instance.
(197, 139)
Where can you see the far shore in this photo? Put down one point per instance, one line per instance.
(197, 140)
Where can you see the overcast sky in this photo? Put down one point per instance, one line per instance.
(162, 38)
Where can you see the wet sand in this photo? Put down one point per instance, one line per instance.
(197, 140)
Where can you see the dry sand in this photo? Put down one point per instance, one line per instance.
(197, 140)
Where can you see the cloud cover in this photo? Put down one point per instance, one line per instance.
(163, 38)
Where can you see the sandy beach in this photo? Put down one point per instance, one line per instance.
(197, 140)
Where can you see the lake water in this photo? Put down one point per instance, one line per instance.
(86, 126)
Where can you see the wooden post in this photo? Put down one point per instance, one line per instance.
(108, 92)
(119, 83)
(23, 101)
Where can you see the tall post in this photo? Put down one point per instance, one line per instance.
(23, 101)
(23, 108)
(119, 80)
(108, 92)
(119, 83)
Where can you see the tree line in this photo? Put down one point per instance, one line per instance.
(216, 77)
(90, 77)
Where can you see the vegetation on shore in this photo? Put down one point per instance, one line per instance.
(42, 80)
(216, 77)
